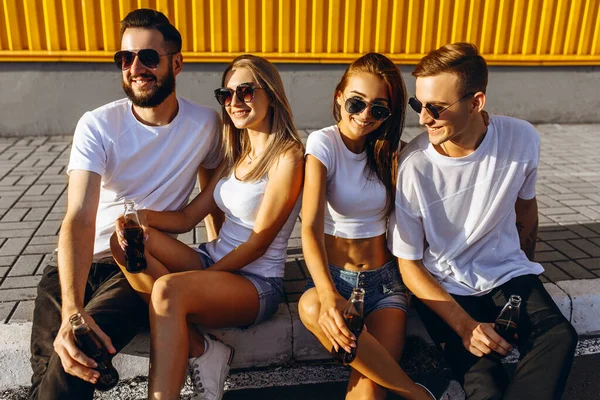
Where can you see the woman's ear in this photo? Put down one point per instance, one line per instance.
(338, 98)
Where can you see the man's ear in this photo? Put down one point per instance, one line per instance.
(478, 102)
(177, 63)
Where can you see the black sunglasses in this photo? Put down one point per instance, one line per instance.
(432, 110)
(244, 92)
(149, 57)
(355, 105)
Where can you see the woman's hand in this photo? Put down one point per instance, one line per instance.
(120, 230)
(332, 322)
(120, 227)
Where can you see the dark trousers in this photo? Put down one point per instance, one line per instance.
(546, 344)
(113, 304)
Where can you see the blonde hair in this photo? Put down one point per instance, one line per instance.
(284, 137)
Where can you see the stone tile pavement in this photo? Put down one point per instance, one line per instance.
(33, 194)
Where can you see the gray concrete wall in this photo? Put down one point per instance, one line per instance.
(49, 98)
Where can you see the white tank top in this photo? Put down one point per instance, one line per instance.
(240, 201)
(355, 200)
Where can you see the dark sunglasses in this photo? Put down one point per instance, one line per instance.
(244, 92)
(149, 57)
(355, 105)
(433, 111)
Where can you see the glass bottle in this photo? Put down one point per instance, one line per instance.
(506, 325)
(134, 234)
(354, 318)
(87, 340)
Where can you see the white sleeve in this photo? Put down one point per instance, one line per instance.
(215, 154)
(88, 152)
(527, 191)
(406, 237)
(406, 234)
(318, 146)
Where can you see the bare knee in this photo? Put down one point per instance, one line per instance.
(165, 296)
(309, 308)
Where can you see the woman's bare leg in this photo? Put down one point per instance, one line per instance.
(388, 326)
(213, 299)
(372, 359)
(164, 255)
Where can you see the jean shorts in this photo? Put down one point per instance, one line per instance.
(383, 286)
(270, 290)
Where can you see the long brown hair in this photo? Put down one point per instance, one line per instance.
(383, 144)
(284, 137)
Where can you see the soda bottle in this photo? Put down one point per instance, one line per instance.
(507, 322)
(354, 318)
(134, 234)
(87, 340)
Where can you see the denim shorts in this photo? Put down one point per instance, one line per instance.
(270, 290)
(383, 286)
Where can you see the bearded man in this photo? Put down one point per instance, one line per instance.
(148, 148)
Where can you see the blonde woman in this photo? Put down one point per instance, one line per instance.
(235, 280)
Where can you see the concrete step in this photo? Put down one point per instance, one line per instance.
(282, 340)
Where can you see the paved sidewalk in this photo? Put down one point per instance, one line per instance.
(33, 201)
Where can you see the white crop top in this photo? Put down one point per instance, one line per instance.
(355, 200)
(240, 201)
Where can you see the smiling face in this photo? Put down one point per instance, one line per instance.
(370, 89)
(253, 115)
(147, 87)
(441, 91)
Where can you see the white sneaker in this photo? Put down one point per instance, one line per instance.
(208, 372)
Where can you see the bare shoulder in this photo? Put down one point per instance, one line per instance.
(289, 164)
(291, 157)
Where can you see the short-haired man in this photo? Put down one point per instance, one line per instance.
(462, 186)
(147, 148)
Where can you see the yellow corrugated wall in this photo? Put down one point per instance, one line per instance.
(508, 32)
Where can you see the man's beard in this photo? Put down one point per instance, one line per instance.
(155, 96)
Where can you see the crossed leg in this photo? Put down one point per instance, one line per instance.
(373, 361)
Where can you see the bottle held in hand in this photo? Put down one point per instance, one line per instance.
(507, 322)
(354, 318)
(134, 234)
(87, 340)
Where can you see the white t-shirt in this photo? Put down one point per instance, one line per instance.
(355, 199)
(155, 166)
(458, 214)
(240, 201)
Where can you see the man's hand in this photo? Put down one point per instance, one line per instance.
(481, 339)
(74, 361)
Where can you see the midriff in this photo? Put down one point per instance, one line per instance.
(357, 254)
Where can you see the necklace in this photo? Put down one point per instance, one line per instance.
(253, 158)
